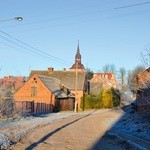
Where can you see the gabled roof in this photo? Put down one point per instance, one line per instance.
(104, 77)
(53, 85)
(67, 78)
(108, 75)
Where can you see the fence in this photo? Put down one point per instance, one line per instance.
(24, 107)
(30, 107)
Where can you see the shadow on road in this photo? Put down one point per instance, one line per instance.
(35, 144)
(126, 134)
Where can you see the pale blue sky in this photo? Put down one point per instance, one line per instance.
(109, 31)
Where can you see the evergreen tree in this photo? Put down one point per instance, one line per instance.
(107, 100)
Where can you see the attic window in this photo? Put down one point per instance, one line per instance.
(33, 91)
(34, 80)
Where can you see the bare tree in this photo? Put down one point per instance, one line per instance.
(145, 57)
(132, 77)
(122, 76)
(109, 68)
(6, 101)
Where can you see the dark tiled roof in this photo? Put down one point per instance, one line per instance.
(67, 78)
(80, 66)
(53, 85)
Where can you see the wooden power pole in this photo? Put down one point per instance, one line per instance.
(76, 86)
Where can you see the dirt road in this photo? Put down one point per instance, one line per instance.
(80, 132)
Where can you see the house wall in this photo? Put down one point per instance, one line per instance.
(143, 78)
(79, 95)
(102, 80)
(43, 95)
(15, 81)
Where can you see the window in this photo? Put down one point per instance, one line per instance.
(33, 91)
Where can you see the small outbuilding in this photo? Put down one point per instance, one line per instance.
(43, 94)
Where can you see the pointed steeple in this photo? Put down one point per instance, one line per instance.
(77, 60)
(78, 49)
(78, 55)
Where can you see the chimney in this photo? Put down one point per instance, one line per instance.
(50, 70)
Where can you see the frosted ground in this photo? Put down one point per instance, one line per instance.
(130, 123)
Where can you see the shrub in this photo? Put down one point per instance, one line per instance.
(6, 101)
(116, 97)
(90, 101)
(6, 108)
(107, 99)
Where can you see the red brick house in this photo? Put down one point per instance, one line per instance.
(102, 80)
(67, 78)
(143, 78)
(15, 81)
(75, 79)
(143, 92)
(42, 94)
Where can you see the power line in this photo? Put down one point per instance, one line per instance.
(29, 50)
(132, 5)
(107, 18)
(20, 50)
(88, 13)
(35, 49)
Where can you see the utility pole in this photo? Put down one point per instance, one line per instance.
(76, 85)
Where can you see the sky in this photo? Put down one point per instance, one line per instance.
(109, 32)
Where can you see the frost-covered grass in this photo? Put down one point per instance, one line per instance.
(12, 130)
(135, 124)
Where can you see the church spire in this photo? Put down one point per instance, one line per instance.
(78, 55)
(78, 49)
(77, 60)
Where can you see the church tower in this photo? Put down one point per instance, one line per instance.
(77, 65)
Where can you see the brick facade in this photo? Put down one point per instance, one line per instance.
(15, 81)
(102, 80)
(40, 89)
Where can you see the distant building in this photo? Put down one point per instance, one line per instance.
(143, 92)
(102, 80)
(143, 78)
(15, 81)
